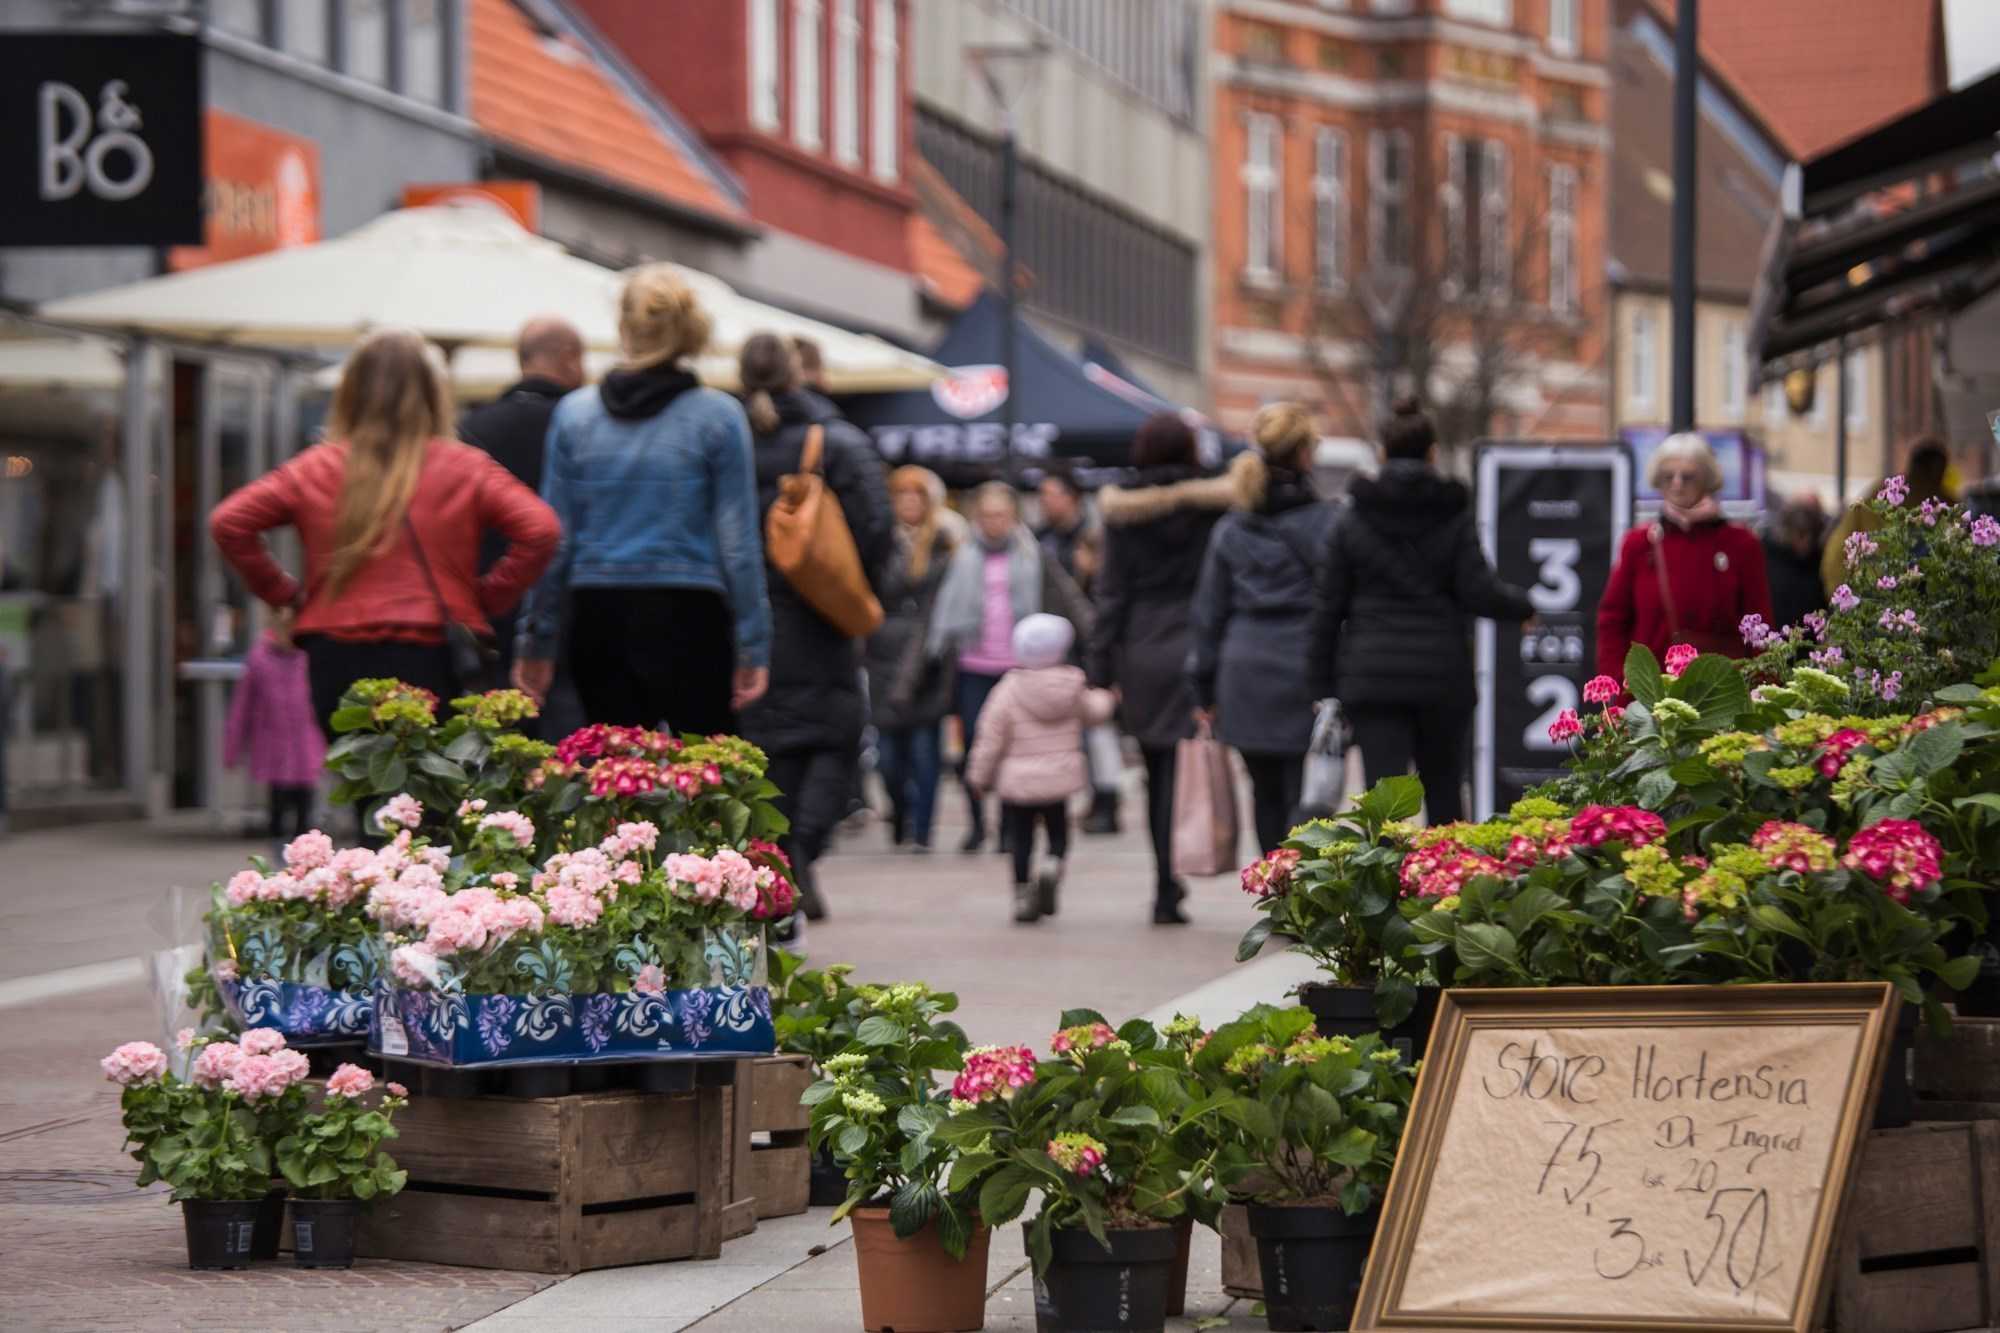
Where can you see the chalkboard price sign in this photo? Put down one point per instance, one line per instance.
(1629, 1158)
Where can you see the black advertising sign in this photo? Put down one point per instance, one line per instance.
(1550, 520)
(103, 139)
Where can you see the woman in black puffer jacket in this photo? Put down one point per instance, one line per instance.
(1252, 608)
(909, 691)
(1392, 625)
(1155, 534)
(809, 720)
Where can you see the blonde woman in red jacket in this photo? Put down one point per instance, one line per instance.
(389, 510)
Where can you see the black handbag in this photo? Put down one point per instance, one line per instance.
(474, 658)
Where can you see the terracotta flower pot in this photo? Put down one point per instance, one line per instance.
(912, 1285)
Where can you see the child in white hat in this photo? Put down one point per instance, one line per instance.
(1029, 749)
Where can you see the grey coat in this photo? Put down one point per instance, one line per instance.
(1251, 619)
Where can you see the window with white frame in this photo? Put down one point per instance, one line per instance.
(1732, 376)
(422, 65)
(1451, 202)
(1562, 239)
(885, 127)
(1389, 198)
(764, 113)
(1642, 362)
(1854, 366)
(847, 82)
(1563, 27)
(368, 40)
(1263, 225)
(1476, 212)
(1496, 266)
(806, 25)
(1330, 209)
(1500, 13)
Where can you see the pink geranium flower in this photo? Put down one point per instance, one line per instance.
(216, 1062)
(1602, 690)
(134, 1062)
(1567, 726)
(261, 1041)
(1678, 658)
(350, 1081)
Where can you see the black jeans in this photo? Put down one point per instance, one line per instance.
(334, 664)
(812, 793)
(1160, 818)
(1390, 738)
(1275, 780)
(291, 812)
(654, 657)
(1019, 821)
(969, 694)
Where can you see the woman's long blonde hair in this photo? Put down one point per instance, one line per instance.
(393, 400)
(924, 536)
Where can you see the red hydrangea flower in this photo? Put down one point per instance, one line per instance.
(1898, 854)
(1270, 875)
(1835, 749)
(1794, 847)
(1442, 869)
(1595, 825)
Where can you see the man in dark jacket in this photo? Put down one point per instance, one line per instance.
(513, 427)
(1792, 559)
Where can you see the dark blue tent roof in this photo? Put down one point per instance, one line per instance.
(956, 426)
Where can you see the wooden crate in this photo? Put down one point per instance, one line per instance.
(1920, 1252)
(1957, 1075)
(777, 1165)
(560, 1184)
(1241, 1274)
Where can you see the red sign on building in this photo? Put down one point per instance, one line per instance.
(261, 192)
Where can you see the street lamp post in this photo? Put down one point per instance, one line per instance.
(1010, 74)
(1687, 78)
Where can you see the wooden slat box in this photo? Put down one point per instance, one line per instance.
(1920, 1252)
(773, 1168)
(560, 1184)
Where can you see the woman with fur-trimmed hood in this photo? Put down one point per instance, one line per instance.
(1155, 533)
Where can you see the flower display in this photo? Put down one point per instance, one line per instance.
(1443, 868)
(1271, 873)
(1898, 854)
(994, 1072)
(1595, 825)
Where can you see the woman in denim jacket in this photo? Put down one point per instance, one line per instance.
(661, 562)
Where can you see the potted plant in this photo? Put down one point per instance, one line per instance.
(1331, 890)
(334, 1165)
(1097, 1130)
(203, 1136)
(920, 1246)
(814, 1013)
(1309, 1130)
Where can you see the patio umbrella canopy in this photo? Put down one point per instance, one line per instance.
(463, 277)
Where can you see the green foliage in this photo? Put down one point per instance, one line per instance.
(205, 1144)
(334, 1153)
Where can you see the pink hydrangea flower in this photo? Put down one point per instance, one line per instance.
(1595, 825)
(1602, 690)
(1679, 656)
(1443, 869)
(1835, 749)
(1795, 847)
(1567, 726)
(1898, 854)
(775, 895)
(1082, 1040)
(400, 811)
(134, 1062)
(1078, 1154)
(308, 851)
(1270, 875)
(350, 1081)
(261, 1041)
(216, 1063)
(994, 1071)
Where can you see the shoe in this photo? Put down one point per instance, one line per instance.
(1005, 842)
(1103, 816)
(1047, 883)
(810, 902)
(975, 838)
(899, 826)
(1169, 914)
(790, 934)
(918, 847)
(1027, 904)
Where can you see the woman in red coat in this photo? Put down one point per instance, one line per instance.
(1689, 577)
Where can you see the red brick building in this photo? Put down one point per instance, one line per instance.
(1410, 196)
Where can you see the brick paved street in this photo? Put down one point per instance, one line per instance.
(81, 1249)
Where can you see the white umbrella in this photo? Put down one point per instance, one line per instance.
(464, 277)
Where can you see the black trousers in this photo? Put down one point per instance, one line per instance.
(1160, 818)
(291, 812)
(334, 664)
(652, 657)
(1275, 780)
(1019, 822)
(1392, 738)
(812, 793)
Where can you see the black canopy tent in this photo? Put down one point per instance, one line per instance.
(1067, 413)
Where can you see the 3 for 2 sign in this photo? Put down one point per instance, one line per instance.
(104, 139)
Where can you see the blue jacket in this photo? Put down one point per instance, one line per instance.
(652, 478)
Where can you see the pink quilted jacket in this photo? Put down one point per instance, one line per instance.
(1029, 742)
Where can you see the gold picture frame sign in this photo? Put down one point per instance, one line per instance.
(1637, 1159)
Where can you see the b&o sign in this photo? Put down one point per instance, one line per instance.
(102, 142)
(1550, 520)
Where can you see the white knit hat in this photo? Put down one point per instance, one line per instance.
(1042, 640)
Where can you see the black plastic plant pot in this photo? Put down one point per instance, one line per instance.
(594, 1078)
(270, 1225)
(440, 1081)
(1349, 1011)
(535, 1081)
(1896, 1101)
(826, 1183)
(221, 1233)
(323, 1232)
(323, 1060)
(1091, 1289)
(662, 1076)
(1310, 1259)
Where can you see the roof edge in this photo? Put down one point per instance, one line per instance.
(510, 155)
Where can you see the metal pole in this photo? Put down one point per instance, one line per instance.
(1009, 165)
(1687, 76)
(138, 589)
(1840, 425)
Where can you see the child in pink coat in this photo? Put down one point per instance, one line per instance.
(272, 724)
(1029, 749)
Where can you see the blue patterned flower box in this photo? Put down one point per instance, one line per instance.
(304, 1013)
(456, 1029)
